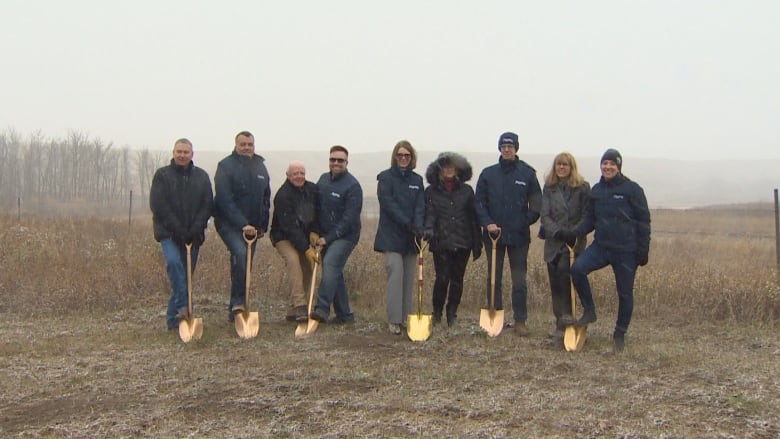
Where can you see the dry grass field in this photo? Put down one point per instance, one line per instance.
(84, 351)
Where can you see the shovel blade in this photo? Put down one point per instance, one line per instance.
(419, 326)
(312, 326)
(247, 324)
(191, 329)
(492, 321)
(300, 330)
(574, 337)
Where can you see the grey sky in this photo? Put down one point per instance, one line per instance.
(675, 79)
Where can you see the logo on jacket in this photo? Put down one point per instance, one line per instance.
(414, 187)
(618, 196)
(261, 176)
(521, 183)
(335, 195)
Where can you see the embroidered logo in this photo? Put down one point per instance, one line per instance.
(521, 183)
(414, 187)
(618, 196)
(335, 195)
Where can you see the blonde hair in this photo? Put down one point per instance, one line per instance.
(575, 179)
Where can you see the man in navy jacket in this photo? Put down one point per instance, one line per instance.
(341, 200)
(509, 199)
(242, 204)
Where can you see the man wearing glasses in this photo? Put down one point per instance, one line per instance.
(341, 200)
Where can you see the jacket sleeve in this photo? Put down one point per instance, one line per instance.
(265, 214)
(205, 204)
(419, 207)
(642, 218)
(430, 210)
(588, 219)
(284, 209)
(387, 202)
(549, 225)
(160, 206)
(481, 201)
(534, 200)
(224, 198)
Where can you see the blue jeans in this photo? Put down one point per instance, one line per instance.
(623, 266)
(518, 268)
(234, 240)
(176, 264)
(333, 288)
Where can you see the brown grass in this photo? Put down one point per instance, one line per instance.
(84, 352)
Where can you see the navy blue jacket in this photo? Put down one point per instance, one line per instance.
(243, 192)
(617, 210)
(341, 200)
(180, 198)
(401, 210)
(508, 195)
(295, 214)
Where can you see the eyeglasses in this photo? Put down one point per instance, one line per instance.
(337, 160)
(401, 155)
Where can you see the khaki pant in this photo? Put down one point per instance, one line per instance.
(298, 273)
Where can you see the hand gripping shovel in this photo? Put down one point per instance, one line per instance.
(310, 327)
(491, 319)
(574, 336)
(248, 323)
(419, 324)
(192, 328)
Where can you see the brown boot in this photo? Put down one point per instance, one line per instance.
(520, 329)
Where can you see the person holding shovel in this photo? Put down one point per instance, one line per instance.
(181, 201)
(451, 221)
(242, 204)
(401, 213)
(564, 200)
(508, 201)
(341, 201)
(617, 211)
(293, 224)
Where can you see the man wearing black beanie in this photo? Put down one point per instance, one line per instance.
(619, 214)
(508, 200)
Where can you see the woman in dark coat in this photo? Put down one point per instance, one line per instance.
(564, 200)
(401, 210)
(451, 222)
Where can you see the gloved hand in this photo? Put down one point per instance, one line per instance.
(195, 236)
(427, 234)
(476, 251)
(313, 237)
(180, 236)
(312, 255)
(642, 257)
(567, 236)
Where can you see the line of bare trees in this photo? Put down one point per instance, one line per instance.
(74, 169)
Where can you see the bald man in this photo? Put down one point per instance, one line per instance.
(293, 230)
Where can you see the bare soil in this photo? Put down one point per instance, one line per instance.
(124, 375)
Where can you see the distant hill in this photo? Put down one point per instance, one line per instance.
(667, 183)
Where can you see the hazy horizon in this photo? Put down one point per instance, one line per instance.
(691, 80)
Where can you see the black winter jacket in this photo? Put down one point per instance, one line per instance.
(341, 201)
(180, 198)
(451, 215)
(401, 210)
(243, 192)
(295, 214)
(508, 195)
(617, 210)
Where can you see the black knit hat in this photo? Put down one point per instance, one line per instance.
(614, 155)
(508, 138)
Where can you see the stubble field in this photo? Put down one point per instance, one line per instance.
(84, 351)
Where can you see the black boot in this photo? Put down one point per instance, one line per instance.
(436, 317)
(620, 342)
(589, 316)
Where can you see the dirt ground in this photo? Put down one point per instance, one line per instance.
(123, 375)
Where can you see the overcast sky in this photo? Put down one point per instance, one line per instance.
(675, 79)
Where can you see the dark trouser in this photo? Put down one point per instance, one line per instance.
(518, 268)
(560, 286)
(234, 240)
(623, 266)
(176, 265)
(450, 268)
(333, 287)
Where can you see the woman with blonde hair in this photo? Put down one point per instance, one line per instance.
(564, 202)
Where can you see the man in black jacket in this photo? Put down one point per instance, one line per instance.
(181, 201)
(242, 204)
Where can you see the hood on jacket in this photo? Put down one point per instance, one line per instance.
(461, 164)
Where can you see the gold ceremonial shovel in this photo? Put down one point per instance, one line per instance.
(248, 322)
(574, 336)
(491, 319)
(419, 325)
(192, 327)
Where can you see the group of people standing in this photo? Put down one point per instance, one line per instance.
(320, 222)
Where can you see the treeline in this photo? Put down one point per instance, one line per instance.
(76, 168)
